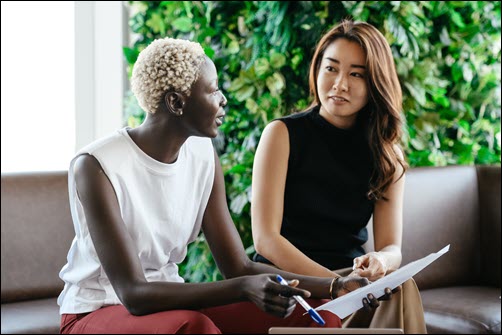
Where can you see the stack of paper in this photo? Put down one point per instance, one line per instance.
(351, 302)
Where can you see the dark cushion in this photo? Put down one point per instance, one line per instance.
(31, 317)
(462, 310)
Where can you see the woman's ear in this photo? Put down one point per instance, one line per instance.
(174, 102)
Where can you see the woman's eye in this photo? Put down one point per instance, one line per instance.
(358, 75)
(330, 68)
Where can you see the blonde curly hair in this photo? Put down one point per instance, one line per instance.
(166, 64)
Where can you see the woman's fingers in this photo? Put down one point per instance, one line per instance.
(388, 293)
(279, 310)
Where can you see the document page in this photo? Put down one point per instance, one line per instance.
(351, 302)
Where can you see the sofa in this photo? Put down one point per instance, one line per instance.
(456, 205)
(459, 206)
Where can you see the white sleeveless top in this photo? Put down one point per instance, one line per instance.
(162, 206)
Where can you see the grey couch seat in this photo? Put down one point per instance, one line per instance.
(38, 316)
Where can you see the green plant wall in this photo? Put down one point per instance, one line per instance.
(447, 55)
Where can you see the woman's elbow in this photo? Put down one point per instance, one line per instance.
(263, 244)
(135, 310)
(131, 300)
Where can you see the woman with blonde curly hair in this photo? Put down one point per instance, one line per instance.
(321, 174)
(139, 196)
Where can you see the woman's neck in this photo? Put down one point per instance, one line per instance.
(159, 138)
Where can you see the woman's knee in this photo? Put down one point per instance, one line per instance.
(410, 286)
(193, 322)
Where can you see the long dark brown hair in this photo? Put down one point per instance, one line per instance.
(384, 108)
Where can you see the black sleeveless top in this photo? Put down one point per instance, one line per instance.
(326, 208)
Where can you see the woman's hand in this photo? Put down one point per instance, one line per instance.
(372, 266)
(344, 285)
(270, 296)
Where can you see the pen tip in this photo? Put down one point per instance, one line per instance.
(317, 318)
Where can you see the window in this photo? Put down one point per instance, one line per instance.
(63, 79)
(38, 90)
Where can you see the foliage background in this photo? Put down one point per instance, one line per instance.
(447, 56)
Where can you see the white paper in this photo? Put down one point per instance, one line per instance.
(353, 301)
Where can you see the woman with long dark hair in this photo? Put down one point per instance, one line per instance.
(321, 174)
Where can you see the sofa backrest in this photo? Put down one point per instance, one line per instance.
(37, 231)
(456, 205)
(441, 207)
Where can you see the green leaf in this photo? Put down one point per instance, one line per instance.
(486, 156)
(277, 60)
(417, 92)
(295, 61)
(419, 143)
(250, 250)
(457, 19)
(443, 101)
(444, 37)
(457, 72)
(130, 54)
(183, 24)
(238, 203)
(420, 158)
(463, 124)
(233, 47)
(244, 93)
(209, 51)
(276, 83)
(252, 106)
(236, 84)
(437, 158)
(467, 72)
(237, 169)
(261, 66)
(156, 23)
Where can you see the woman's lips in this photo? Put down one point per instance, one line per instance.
(338, 100)
(219, 120)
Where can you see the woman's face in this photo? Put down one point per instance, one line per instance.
(341, 82)
(203, 109)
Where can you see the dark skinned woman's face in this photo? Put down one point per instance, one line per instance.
(203, 110)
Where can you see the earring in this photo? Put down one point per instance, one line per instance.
(181, 111)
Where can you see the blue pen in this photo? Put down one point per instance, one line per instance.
(313, 314)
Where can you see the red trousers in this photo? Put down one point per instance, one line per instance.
(238, 318)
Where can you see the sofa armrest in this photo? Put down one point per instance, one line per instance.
(489, 208)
